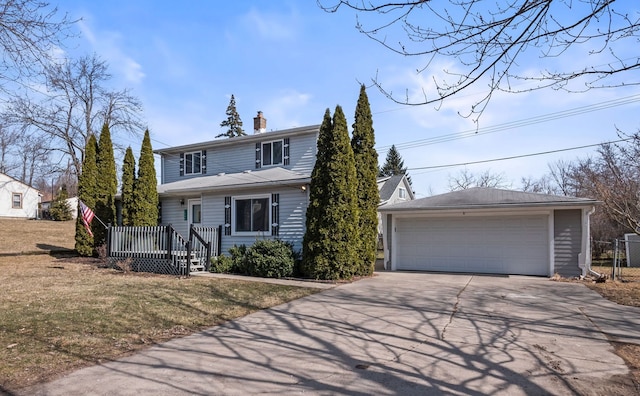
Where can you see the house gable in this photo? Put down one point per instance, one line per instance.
(17, 199)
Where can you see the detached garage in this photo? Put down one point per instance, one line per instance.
(492, 231)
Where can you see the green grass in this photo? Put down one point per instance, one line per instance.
(62, 314)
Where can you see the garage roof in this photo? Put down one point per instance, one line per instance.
(483, 197)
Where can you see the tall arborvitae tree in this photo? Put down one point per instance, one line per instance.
(394, 165)
(331, 241)
(87, 186)
(128, 180)
(366, 160)
(233, 121)
(146, 187)
(107, 187)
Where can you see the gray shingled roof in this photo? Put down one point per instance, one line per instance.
(227, 181)
(480, 197)
(389, 185)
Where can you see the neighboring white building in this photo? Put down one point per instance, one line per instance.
(18, 199)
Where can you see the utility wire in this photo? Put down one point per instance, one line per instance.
(518, 156)
(516, 124)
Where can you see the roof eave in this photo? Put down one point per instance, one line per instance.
(240, 139)
(232, 187)
(390, 208)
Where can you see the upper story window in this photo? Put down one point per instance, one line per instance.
(272, 153)
(16, 201)
(402, 193)
(193, 163)
(275, 152)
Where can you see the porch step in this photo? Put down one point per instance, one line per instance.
(197, 268)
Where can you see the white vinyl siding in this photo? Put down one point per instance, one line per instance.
(17, 199)
(483, 244)
(291, 224)
(236, 158)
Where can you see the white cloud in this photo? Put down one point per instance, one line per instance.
(286, 109)
(270, 25)
(108, 45)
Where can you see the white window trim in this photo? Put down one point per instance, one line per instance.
(12, 200)
(185, 162)
(262, 153)
(233, 215)
(402, 193)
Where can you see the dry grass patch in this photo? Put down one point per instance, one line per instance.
(59, 314)
(31, 236)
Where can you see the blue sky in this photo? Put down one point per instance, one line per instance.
(291, 60)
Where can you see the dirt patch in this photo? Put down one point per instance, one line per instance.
(630, 353)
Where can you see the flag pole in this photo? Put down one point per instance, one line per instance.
(101, 222)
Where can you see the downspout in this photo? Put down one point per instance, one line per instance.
(588, 239)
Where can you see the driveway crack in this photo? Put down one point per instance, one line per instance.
(455, 309)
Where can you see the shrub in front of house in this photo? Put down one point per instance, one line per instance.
(222, 264)
(271, 258)
(239, 263)
(268, 258)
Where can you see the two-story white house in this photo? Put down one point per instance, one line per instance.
(254, 186)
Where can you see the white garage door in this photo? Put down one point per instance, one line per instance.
(497, 245)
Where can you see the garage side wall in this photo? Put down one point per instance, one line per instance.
(567, 238)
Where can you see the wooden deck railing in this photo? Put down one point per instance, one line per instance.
(162, 249)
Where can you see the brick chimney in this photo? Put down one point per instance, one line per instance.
(259, 123)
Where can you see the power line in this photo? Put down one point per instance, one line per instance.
(516, 124)
(518, 156)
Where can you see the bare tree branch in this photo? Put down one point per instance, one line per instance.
(31, 31)
(76, 105)
(495, 43)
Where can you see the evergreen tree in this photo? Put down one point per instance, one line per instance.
(60, 209)
(331, 241)
(145, 190)
(87, 186)
(366, 162)
(107, 187)
(128, 181)
(233, 121)
(394, 165)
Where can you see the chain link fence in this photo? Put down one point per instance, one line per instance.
(619, 259)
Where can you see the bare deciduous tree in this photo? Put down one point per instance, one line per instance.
(497, 43)
(33, 153)
(30, 33)
(8, 141)
(465, 180)
(76, 104)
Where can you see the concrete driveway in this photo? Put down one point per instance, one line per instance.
(394, 334)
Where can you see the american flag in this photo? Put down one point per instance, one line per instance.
(87, 216)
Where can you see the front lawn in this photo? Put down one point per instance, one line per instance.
(59, 314)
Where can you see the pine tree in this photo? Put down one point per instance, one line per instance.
(331, 241)
(107, 187)
(87, 186)
(128, 181)
(233, 121)
(366, 162)
(146, 187)
(60, 209)
(394, 165)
